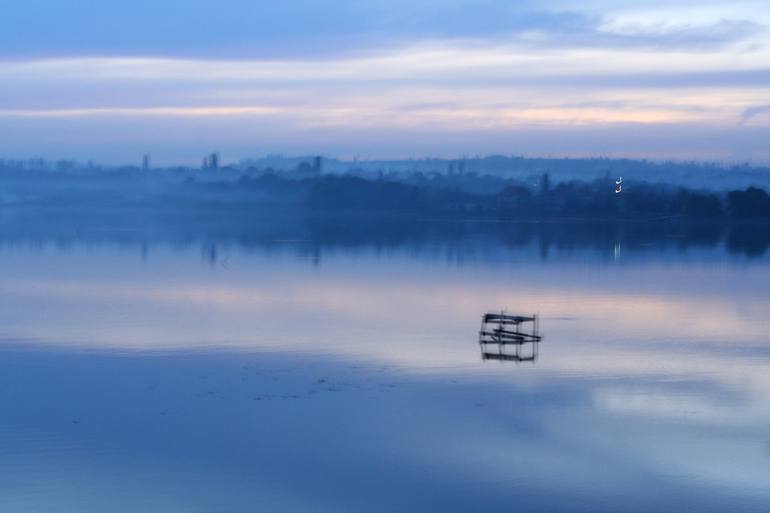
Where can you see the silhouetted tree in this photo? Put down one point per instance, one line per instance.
(748, 204)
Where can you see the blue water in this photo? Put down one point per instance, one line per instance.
(147, 370)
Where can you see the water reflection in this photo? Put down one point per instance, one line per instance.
(201, 366)
(520, 352)
(314, 235)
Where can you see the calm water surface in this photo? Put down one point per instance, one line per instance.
(154, 370)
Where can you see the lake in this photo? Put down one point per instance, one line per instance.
(212, 363)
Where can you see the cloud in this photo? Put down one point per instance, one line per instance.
(433, 69)
(675, 37)
(753, 112)
(311, 29)
(266, 30)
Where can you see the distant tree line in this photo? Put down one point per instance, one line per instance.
(598, 199)
(594, 199)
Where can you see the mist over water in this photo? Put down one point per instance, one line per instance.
(216, 363)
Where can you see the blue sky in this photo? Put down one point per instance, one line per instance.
(112, 79)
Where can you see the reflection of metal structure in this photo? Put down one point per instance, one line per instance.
(513, 343)
(619, 185)
(518, 354)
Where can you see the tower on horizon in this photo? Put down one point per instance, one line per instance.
(211, 161)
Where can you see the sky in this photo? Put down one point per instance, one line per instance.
(111, 80)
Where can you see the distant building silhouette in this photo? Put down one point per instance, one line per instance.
(37, 163)
(211, 161)
(146, 162)
(65, 165)
(456, 167)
